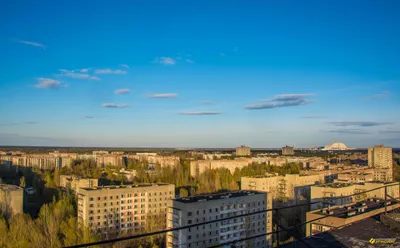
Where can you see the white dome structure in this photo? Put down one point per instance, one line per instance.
(336, 146)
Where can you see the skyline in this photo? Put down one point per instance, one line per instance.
(181, 75)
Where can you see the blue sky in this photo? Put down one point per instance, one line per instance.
(199, 73)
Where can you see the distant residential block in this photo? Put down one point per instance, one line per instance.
(243, 151)
(76, 182)
(381, 159)
(200, 166)
(288, 150)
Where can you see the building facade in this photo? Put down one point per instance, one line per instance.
(75, 182)
(11, 199)
(381, 159)
(200, 166)
(197, 209)
(243, 151)
(112, 209)
(288, 150)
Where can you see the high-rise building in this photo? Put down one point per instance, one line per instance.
(111, 209)
(11, 199)
(197, 209)
(381, 158)
(243, 151)
(288, 150)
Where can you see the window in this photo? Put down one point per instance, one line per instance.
(189, 214)
(91, 199)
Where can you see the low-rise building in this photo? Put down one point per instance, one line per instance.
(288, 150)
(197, 209)
(75, 182)
(200, 166)
(340, 216)
(333, 191)
(11, 199)
(243, 151)
(112, 209)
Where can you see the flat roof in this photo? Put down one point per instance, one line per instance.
(9, 187)
(358, 233)
(341, 211)
(334, 185)
(131, 186)
(210, 197)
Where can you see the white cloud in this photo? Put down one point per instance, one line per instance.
(125, 66)
(109, 71)
(201, 113)
(73, 74)
(47, 83)
(165, 61)
(122, 91)
(190, 61)
(114, 105)
(165, 95)
(31, 43)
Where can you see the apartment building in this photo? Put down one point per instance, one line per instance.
(75, 182)
(11, 199)
(112, 209)
(200, 166)
(112, 160)
(381, 159)
(329, 192)
(153, 158)
(211, 156)
(100, 153)
(42, 161)
(279, 186)
(341, 216)
(288, 150)
(198, 209)
(355, 177)
(243, 151)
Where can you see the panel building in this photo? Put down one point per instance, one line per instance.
(288, 150)
(198, 209)
(11, 199)
(243, 151)
(381, 158)
(112, 209)
(75, 182)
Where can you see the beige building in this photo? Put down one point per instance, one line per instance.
(341, 216)
(75, 182)
(11, 199)
(200, 166)
(111, 209)
(381, 158)
(355, 177)
(153, 158)
(279, 186)
(211, 156)
(288, 150)
(198, 209)
(243, 151)
(111, 160)
(97, 153)
(328, 192)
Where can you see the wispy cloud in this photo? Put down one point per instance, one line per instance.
(236, 49)
(31, 43)
(109, 71)
(313, 117)
(382, 95)
(114, 105)
(165, 61)
(208, 102)
(164, 95)
(48, 83)
(349, 131)
(201, 113)
(359, 123)
(88, 117)
(390, 131)
(19, 123)
(189, 61)
(77, 74)
(284, 100)
(222, 54)
(122, 91)
(125, 66)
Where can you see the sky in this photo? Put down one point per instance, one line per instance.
(199, 73)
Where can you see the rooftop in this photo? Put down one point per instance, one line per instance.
(334, 185)
(125, 186)
(356, 234)
(9, 187)
(210, 197)
(359, 208)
